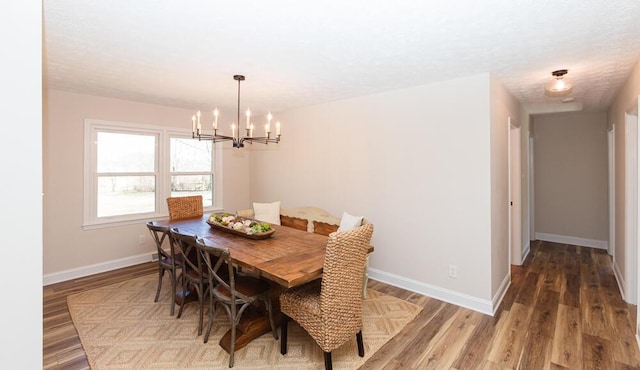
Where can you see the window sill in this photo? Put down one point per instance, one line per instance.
(136, 221)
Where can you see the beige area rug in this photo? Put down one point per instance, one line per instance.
(120, 327)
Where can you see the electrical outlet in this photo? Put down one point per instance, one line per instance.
(154, 257)
(142, 239)
(453, 271)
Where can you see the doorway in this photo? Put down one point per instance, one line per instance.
(515, 196)
(611, 146)
(631, 207)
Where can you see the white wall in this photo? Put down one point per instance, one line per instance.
(625, 101)
(571, 179)
(68, 249)
(416, 162)
(503, 106)
(21, 203)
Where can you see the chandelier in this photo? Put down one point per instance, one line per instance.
(236, 138)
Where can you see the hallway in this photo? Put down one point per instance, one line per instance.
(564, 306)
(562, 311)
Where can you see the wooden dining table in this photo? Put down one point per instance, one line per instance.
(288, 258)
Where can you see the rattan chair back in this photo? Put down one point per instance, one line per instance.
(331, 311)
(181, 208)
(341, 289)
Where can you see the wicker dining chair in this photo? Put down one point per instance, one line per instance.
(193, 275)
(167, 261)
(234, 292)
(330, 309)
(181, 208)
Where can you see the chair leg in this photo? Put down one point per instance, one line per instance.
(233, 342)
(201, 299)
(284, 323)
(160, 275)
(360, 344)
(182, 300)
(327, 361)
(212, 313)
(173, 292)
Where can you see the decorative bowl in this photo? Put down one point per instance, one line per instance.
(241, 226)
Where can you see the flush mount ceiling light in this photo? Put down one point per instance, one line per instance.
(558, 85)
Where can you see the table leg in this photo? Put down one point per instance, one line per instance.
(254, 323)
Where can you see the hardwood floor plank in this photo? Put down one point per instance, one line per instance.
(382, 358)
(509, 339)
(597, 353)
(570, 290)
(571, 263)
(543, 320)
(529, 291)
(553, 277)
(595, 319)
(429, 335)
(536, 353)
(474, 352)
(444, 352)
(610, 291)
(621, 366)
(567, 339)
(487, 365)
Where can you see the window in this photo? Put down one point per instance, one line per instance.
(131, 169)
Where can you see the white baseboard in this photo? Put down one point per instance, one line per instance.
(450, 296)
(619, 279)
(499, 296)
(525, 252)
(600, 244)
(65, 275)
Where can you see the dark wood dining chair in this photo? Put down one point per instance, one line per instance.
(181, 208)
(234, 292)
(193, 275)
(167, 260)
(330, 308)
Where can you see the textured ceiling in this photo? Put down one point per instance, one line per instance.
(296, 53)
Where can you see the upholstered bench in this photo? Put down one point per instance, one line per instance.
(314, 220)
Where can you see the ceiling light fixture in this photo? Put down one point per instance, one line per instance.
(558, 85)
(238, 141)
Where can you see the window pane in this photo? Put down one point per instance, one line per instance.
(193, 185)
(118, 152)
(125, 195)
(190, 155)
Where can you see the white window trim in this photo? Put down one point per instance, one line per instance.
(90, 219)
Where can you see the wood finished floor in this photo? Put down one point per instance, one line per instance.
(562, 311)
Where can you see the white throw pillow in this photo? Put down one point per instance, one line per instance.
(267, 212)
(349, 222)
